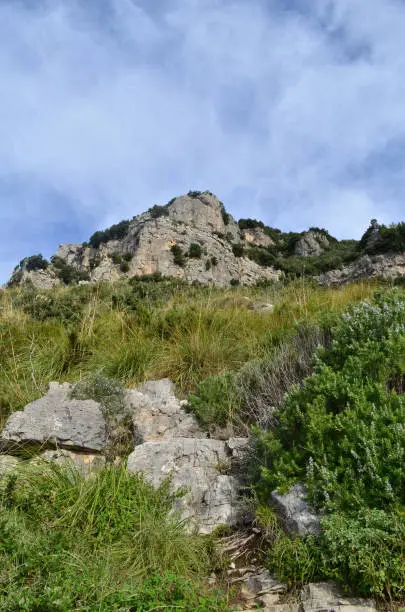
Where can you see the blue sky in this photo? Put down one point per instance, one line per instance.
(291, 111)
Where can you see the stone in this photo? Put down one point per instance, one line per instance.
(58, 421)
(310, 244)
(158, 414)
(87, 464)
(327, 596)
(261, 583)
(261, 306)
(377, 266)
(295, 512)
(197, 465)
(7, 464)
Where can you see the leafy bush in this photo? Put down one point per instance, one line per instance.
(226, 217)
(127, 256)
(116, 258)
(214, 261)
(262, 256)
(215, 400)
(115, 232)
(159, 211)
(341, 434)
(66, 273)
(238, 250)
(35, 262)
(194, 194)
(208, 264)
(195, 250)
(124, 267)
(250, 224)
(178, 255)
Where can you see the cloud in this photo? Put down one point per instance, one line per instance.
(292, 112)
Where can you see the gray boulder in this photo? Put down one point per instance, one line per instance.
(321, 596)
(87, 463)
(295, 512)
(56, 420)
(201, 466)
(157, 413)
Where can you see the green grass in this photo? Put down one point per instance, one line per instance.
(97, 544)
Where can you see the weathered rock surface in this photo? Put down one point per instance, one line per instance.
(157, 413)
(149, 241)
(310, 244)
(295, 512)
(203, 466)
(57, 420)
(368, 266)
(321, 596)
(7, 464)
(86, 463)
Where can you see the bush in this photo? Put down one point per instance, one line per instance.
(208, 265)
(194, 194)
(238, 250)
(116, 258)
(226, 217)
(115, 232)
(178, 255)
(127, 256)
(214, 261)
(249, 224)
(341, 434)
(261, 256)
(124, 267)
(159, 211)
(195, 251)
(35, 262)
(215, 401)
(235, 282)
(66, 273)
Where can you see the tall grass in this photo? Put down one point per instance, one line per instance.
(133, 333)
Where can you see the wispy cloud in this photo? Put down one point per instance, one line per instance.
(289, 113)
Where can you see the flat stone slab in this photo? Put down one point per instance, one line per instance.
(59, 421)
(203, 467)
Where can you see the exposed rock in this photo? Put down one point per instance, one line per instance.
(149, 241)
(201, 465)
(157, 414)
(7, 464)
(310, 244)
(376, 266)
(295, 511)
(57, 420)
(40, 279)
(256, 237)
(86, 463)
(261, 306)
(261, 582)
(321, 596)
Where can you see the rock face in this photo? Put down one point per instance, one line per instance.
(203, 466)
(295, 512)
(321, 596)
(186, 220)
(371, 266)
(158, 414)
(311, 243)
(59, 421)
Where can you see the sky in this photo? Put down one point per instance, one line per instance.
(291, 111)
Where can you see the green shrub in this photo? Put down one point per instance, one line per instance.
(127, 256)
(66, 273)
(214, 261)
(238, 250)
(208, 264)
(215, 401)
(35, 262)
(194, 194)
(115, 232)
(159, 211)
(262, 256)
(124, 267)
(178, 255)
(226, 217)
(235, 282)
(116, 258)
(249, 224)
(195, 251)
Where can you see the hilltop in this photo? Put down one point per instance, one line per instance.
(193, 238)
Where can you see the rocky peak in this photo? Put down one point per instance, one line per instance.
(311, 243)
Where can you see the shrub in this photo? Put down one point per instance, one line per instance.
(178, 255)
(226, 217)
(249, 224)
(214, 261)
(127, 256)
(261, 256)
(115, 232)
(159, 211)
(116, 258)
(234, 282)
(35, 262)
(195, 251)
(208, 264)
(194, 194)
(238, 250)
(124, 267)
(215, 401)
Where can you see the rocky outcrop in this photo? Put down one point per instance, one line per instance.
(147, 248)
(388, 266)
(257, 237)
(310, 244)
(295, 512)
(56, 420)
(321, 596)
(204, 468)
(158, 414)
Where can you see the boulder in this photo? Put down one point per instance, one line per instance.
(310, 244)
(157, 414)
(201, 466)
(7, 464)
(85, 463)
(295, 512)
(56, 420)
(321, 596)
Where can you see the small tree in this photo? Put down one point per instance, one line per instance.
(195, 251)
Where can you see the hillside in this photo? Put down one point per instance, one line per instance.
(194, 238)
